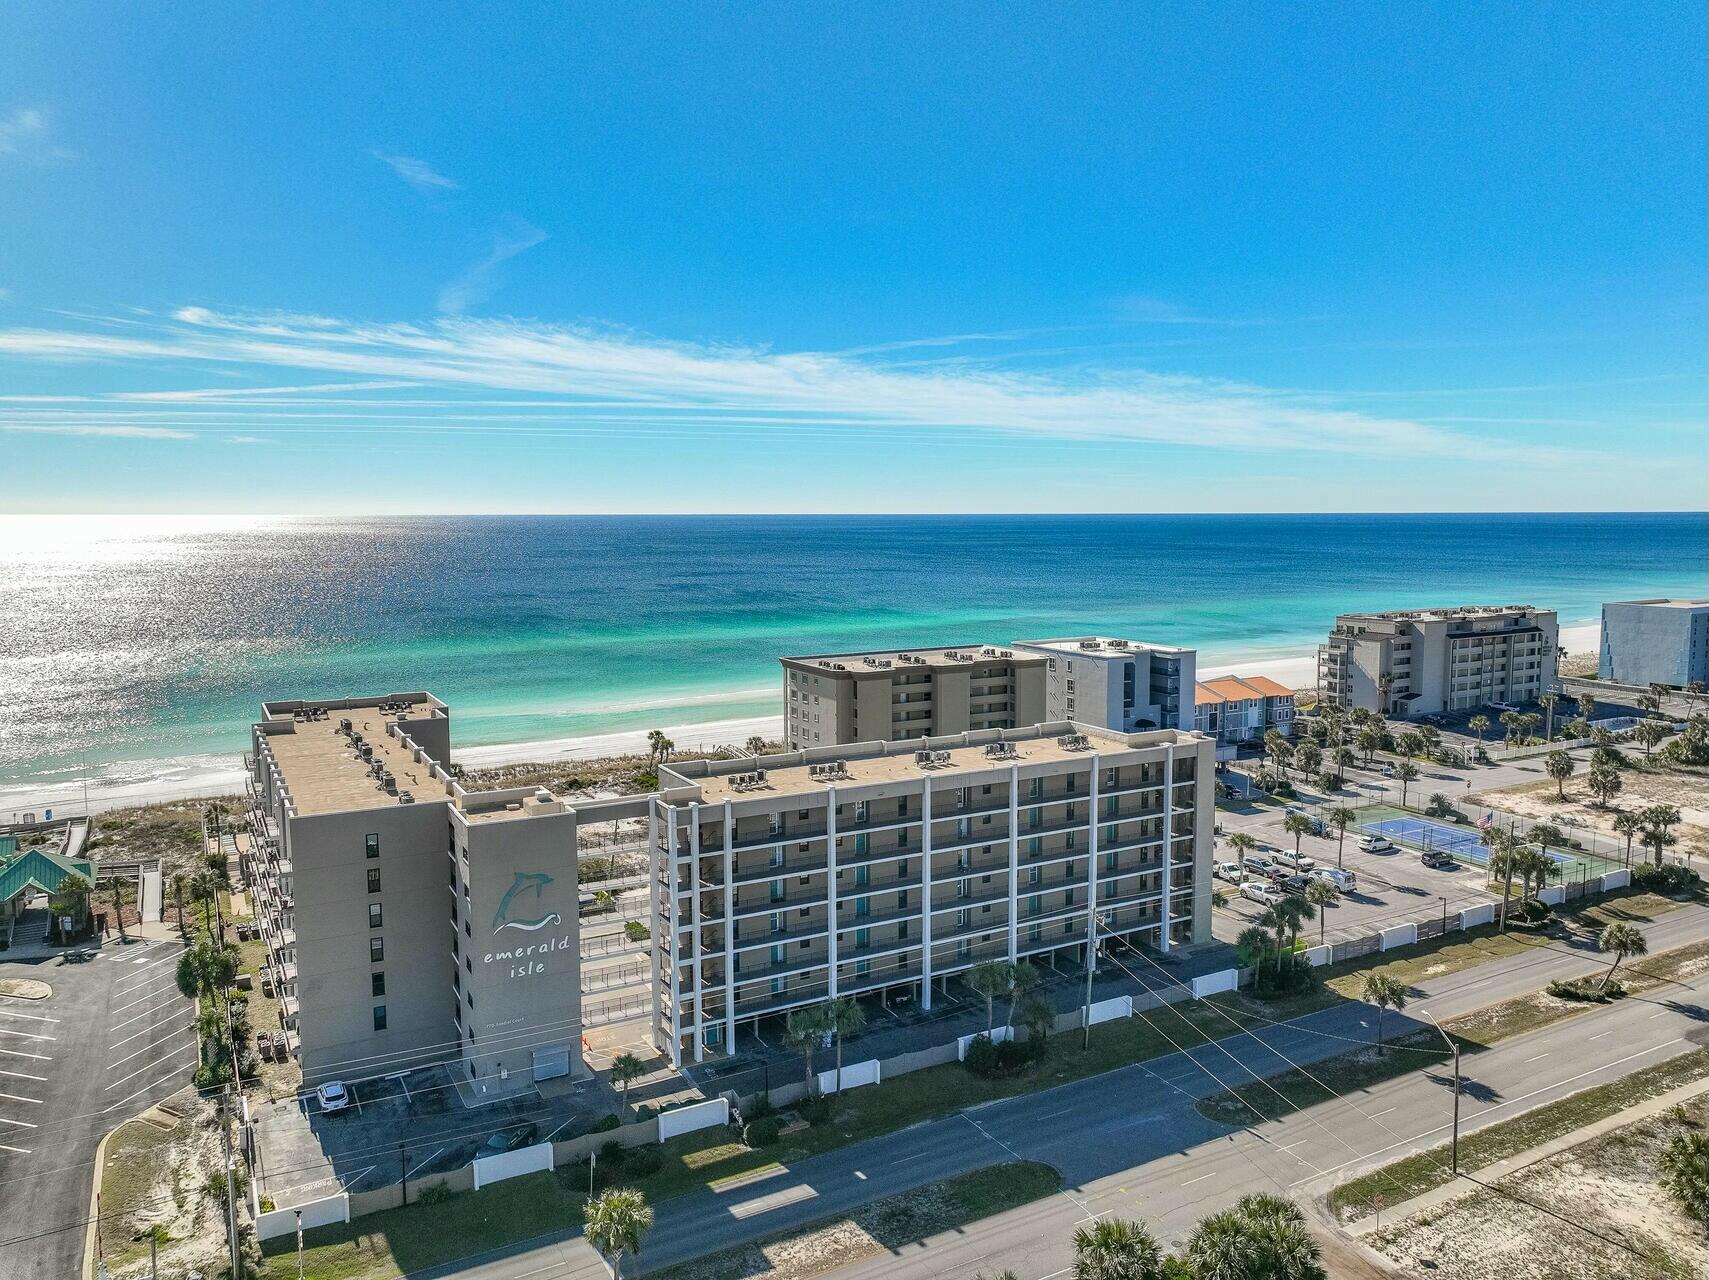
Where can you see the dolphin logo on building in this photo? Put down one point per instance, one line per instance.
(525, 882)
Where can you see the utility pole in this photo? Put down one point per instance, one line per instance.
(1091, 958)
(153, 1258)
(403, 1173)
(1454, 1145)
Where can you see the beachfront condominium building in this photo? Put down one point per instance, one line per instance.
(887, 867)
(1648, 642)
(1421, 662)
(1242, 709)
(1117, 684)
(902, 694)
(407, 920)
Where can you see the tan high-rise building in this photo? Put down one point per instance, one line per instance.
(899, 695)
(409, 921)
(1420, 662)
(889, 866)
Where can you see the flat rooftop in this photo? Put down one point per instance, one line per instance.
(1104, 646)
(899, 765)
(324, 773)
(888, 661)
(1457, 614)
(1666, 603)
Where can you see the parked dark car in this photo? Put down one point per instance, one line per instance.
(511, 1140)
(1295, 885)
(1436, 858)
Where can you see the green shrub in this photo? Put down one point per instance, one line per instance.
(607, 1123)
(816, 1110)
(635, 931)
(1534, 912)
(760, 1106)
(987, 1059)
(613, 1153)
(764, 1131)
(435, 1193)
(1586, 989)
(1669, 878)
(642, 1162)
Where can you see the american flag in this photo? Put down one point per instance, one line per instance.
(1483, 822)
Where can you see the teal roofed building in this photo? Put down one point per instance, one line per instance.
(27, 871)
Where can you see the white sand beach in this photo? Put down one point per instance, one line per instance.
(150, 782)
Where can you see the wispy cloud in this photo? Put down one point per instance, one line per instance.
(617, 381)
(244, 440)
(1144, 309)
(476, 284)
(118, 430)
(25, 135)
(418, 173)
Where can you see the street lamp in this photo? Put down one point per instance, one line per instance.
(1454, 1145)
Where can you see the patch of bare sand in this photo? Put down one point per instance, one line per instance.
(1601, 1214)
(1639, 789)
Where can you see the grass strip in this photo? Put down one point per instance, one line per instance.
(1426, 1170)
(884, 1226)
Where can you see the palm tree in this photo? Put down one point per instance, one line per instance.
(1290, 913)
(1560, 767)
(989, 980)
(1321, 894)
(1385, 687)
(1684, 1167)
(1242, 844)
(757, 746)
(616, 1220)
(1296, 825)
(625, 1068)
(1116, 1249)
(1386, 993)
(1528, 723)
(1548, 702)
(1024, 978)
(1407, 772)
(1278, 749)
(1479, 724)
(1605, 783)
(846, 1017)
(1341, 817)
(1546, 835)
(1651, 733)
(72, 899)
(1308, 756)
(1282, 1246)
(1628, 823)
(1410, 744)
(1221, 1248)
(178, 900)
(1344, 758)
(1623, 940)
(119, 904)
(1586, 706)
(1369, 740)
(1254, 941)
(804, 1031)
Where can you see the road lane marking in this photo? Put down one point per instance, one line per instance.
(1606, 1033)
(1374, 1114)
(1190, 1181)
(1538, 1058)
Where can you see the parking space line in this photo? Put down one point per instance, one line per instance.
(141, 999)
(24, 1035)
(173, 1078)
(430, 1159)
(119, 1026)
(18, 1097)
(150, 1028)
(19, 1053)
(33, 1017)
(23, 1151)
(22, 1124)
(145, 1066)
(141, 979)
(20, 1075)
(149, 1048)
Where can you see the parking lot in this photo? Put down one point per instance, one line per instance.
(111, 1037)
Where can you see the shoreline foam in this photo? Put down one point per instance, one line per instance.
(195, 777)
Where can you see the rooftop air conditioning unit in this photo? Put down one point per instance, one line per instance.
(922, 757)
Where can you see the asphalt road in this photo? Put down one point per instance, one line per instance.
(114, 1038)
(1130, 1142)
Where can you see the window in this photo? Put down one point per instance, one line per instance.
(777, 856)
(1035, 789)
(379, 1017)
(1035, 875)
(777, 954)
(902, 806)
(777, 922)
(371, 844)
(777, 891)
(373, 880)
(902, 932)
(373, 915)
(376, 950)
(378, 982)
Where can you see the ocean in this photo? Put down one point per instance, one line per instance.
(138, 649)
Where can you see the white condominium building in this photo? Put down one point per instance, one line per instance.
(886, 867)
(900, 694)
(1118, 684)
(1648, 642)
(1427, 661)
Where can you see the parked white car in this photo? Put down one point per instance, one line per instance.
(1345, 881)
(333, 1096)
(1261, 892)
(1376, 844)
(1229, 871)
(1298, 861)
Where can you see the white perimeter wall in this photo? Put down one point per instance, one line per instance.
(316, 1213)
(702, 1115)
(512, 1164)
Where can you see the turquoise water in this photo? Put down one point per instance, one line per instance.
(137, 645)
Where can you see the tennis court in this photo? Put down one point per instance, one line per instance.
(1458, 840)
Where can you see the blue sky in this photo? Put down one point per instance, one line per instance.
(800, 257)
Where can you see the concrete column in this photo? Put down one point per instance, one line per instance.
(676, 939)
(656, 894)
(729, 932)
(1014, 862)
(1092, 870)
(831, 890)
(926, 894)
(694, 947)
(1168, 839)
